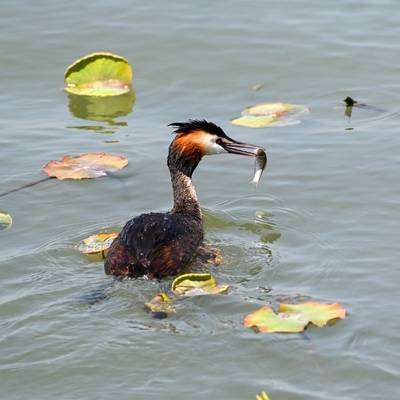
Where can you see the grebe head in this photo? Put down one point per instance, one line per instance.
(197, 138)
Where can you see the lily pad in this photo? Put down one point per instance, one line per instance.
(160, 305)
(97, 244)
(99, 74)
(197, 284)
(265, 320)
(317, 313)
(270, 114)
(85, 166)
(262, 396)
(5, 220)
(293, 317)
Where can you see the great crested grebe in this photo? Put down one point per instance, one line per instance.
(162, 244)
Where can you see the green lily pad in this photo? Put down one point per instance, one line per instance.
(270, 114)
(99, 74)
(5, 220)
(293, 317)
(197, 284)
(317, 313)
(265, 320)
(97, 245)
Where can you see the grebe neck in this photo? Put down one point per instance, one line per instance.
(185, 197)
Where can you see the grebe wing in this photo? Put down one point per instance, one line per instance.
(163, 243)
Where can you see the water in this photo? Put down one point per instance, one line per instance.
(322, 225)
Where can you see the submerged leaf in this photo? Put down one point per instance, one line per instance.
(317, 313)
(265, 320)
(262, 396)
(270, 114)
(98, 243)
(99, 74)
(160, 305)
(5, 220)
(251, 121)
(85, 166)
(197, 284)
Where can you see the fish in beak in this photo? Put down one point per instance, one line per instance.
(245, 149)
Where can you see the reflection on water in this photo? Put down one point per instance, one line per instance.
(103, 109)
(260, 226)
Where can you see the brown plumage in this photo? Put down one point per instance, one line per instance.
(163, 244)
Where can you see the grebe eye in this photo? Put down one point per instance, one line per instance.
(219, 141)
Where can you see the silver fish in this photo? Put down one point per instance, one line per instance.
(259, 164)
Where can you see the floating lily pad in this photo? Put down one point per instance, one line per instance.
(197, 284)
(265, 320)
(5, 220)
(99, 74)
(270, 114)
(160, 305)
(97, 244)
(293, 317)
(85, 166)
(251, 121)
(317, 313)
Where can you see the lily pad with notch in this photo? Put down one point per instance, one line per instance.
(293, 317)
(317, 313)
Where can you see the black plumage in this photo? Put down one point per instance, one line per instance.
(155, 244)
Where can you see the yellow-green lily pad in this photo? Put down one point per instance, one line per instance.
(99, 74)
(270, 114)
(97, 245)
(251, 121)
(5, 220)
(317, 313)
(160, 305)
(262, 396)
(265, 320)
(293, 317)
(197, 284)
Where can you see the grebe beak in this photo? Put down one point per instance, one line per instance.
(244, 149)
